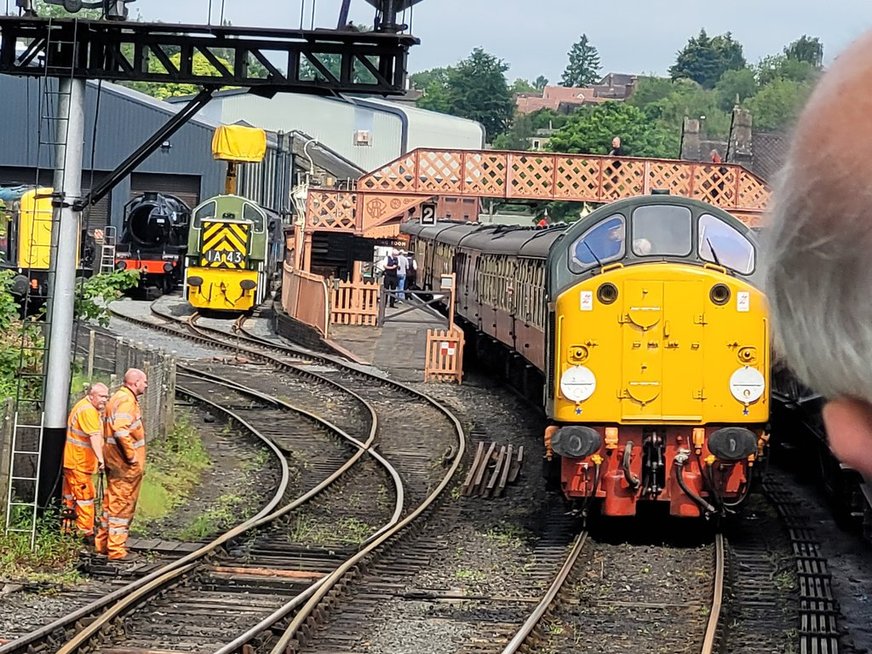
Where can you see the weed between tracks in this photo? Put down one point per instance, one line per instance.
(53, 559)
(315, 531)
(175, 465)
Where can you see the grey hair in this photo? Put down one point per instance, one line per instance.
(817, 267)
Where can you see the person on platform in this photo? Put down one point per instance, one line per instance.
(402, 272)
(617, 149)
(83, 457)
(817, 244)
(125, 464)
(390, 264)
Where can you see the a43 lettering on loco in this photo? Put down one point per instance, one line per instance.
(646, 322)
(234, 247)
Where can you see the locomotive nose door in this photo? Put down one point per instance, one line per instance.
(641, 325)
(682, 334)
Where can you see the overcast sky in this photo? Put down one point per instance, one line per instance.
(633, 36)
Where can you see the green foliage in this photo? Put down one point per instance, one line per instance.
(94, 293)
(584, 64)
(53, 559)
(45, 10)
(522, 86)
(778, 103)
(517, 136)
(775, 67)
(162, 91)
(548, 119)
(705, 59)
(175, 466)
(476, 89)
(540, 82)
(649, 90)
(806, 49)
(734, 87)
(591, 129)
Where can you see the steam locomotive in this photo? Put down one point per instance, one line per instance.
(154, 241)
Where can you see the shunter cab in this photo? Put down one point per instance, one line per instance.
(658, 356)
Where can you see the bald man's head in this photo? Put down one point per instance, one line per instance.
(818, 259)
(98, 395)
(136, 381)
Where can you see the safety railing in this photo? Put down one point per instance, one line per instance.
(305, 298)
(354, 303)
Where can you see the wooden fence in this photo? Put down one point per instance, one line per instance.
(444, 358)
(305, 297)
(354, 303)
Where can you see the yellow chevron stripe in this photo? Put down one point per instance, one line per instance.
(228, 242)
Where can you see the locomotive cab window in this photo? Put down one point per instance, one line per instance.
(600, 244)
(662, 230)
(205, 212)
(250, 212)
(724, 245)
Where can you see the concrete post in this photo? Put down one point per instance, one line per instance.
(71, 122)
(690, 139)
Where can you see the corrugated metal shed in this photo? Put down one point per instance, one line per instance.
(126, 119)
(368, 132)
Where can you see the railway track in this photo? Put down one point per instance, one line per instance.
(264, 584)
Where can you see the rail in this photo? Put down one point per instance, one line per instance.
(711, 630)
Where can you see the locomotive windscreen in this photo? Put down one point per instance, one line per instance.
(155, 220)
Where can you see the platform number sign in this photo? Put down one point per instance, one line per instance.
(428, 213)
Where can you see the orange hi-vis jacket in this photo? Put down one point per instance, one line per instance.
(125, 433)
(84, 421)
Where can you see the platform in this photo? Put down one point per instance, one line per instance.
(398, 347)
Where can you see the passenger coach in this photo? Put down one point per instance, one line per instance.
(646, 321)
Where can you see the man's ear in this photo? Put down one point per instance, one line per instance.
(849, 429)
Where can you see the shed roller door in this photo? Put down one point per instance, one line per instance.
(184, 187)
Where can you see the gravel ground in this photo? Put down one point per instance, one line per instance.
(24, 609)
(476, 559)
(850, 563)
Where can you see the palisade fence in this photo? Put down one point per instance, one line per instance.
(103, 357)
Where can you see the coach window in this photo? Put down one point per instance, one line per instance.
(205, 212)
(662, 230)
(600, 244)
(250, 212)
(724, 245)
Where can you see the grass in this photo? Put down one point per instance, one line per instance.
(230, 509)
(52, 560)
(174, 467)
(508, 535)
(346, 531)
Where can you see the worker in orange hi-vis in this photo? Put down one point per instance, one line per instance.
(83, 456)
(125, 465)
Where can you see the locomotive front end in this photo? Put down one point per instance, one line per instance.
(658, 385)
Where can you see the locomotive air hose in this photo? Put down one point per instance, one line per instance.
(680, 462)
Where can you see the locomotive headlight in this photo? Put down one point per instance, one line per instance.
(576, 441)
(578, 383)
(747, 385)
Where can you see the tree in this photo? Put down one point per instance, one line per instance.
(807, 49)
(522, 86)
(735, 86)
(517, 137)
(476, 89)
(590, 130)
(162, 91)
(705, 60)
(584, 64)
(778, 103)
(540, 83)
(45, 10)
(434, 85)
(782, 66)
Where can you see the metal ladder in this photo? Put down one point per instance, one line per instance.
(22, 498)
(107, 250)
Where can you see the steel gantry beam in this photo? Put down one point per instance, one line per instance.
(270, 60)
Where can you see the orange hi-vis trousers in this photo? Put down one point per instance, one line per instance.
(79, 496)
(119, 503)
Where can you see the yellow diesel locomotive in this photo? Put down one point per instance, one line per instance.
(646, 321)
(234, 249)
